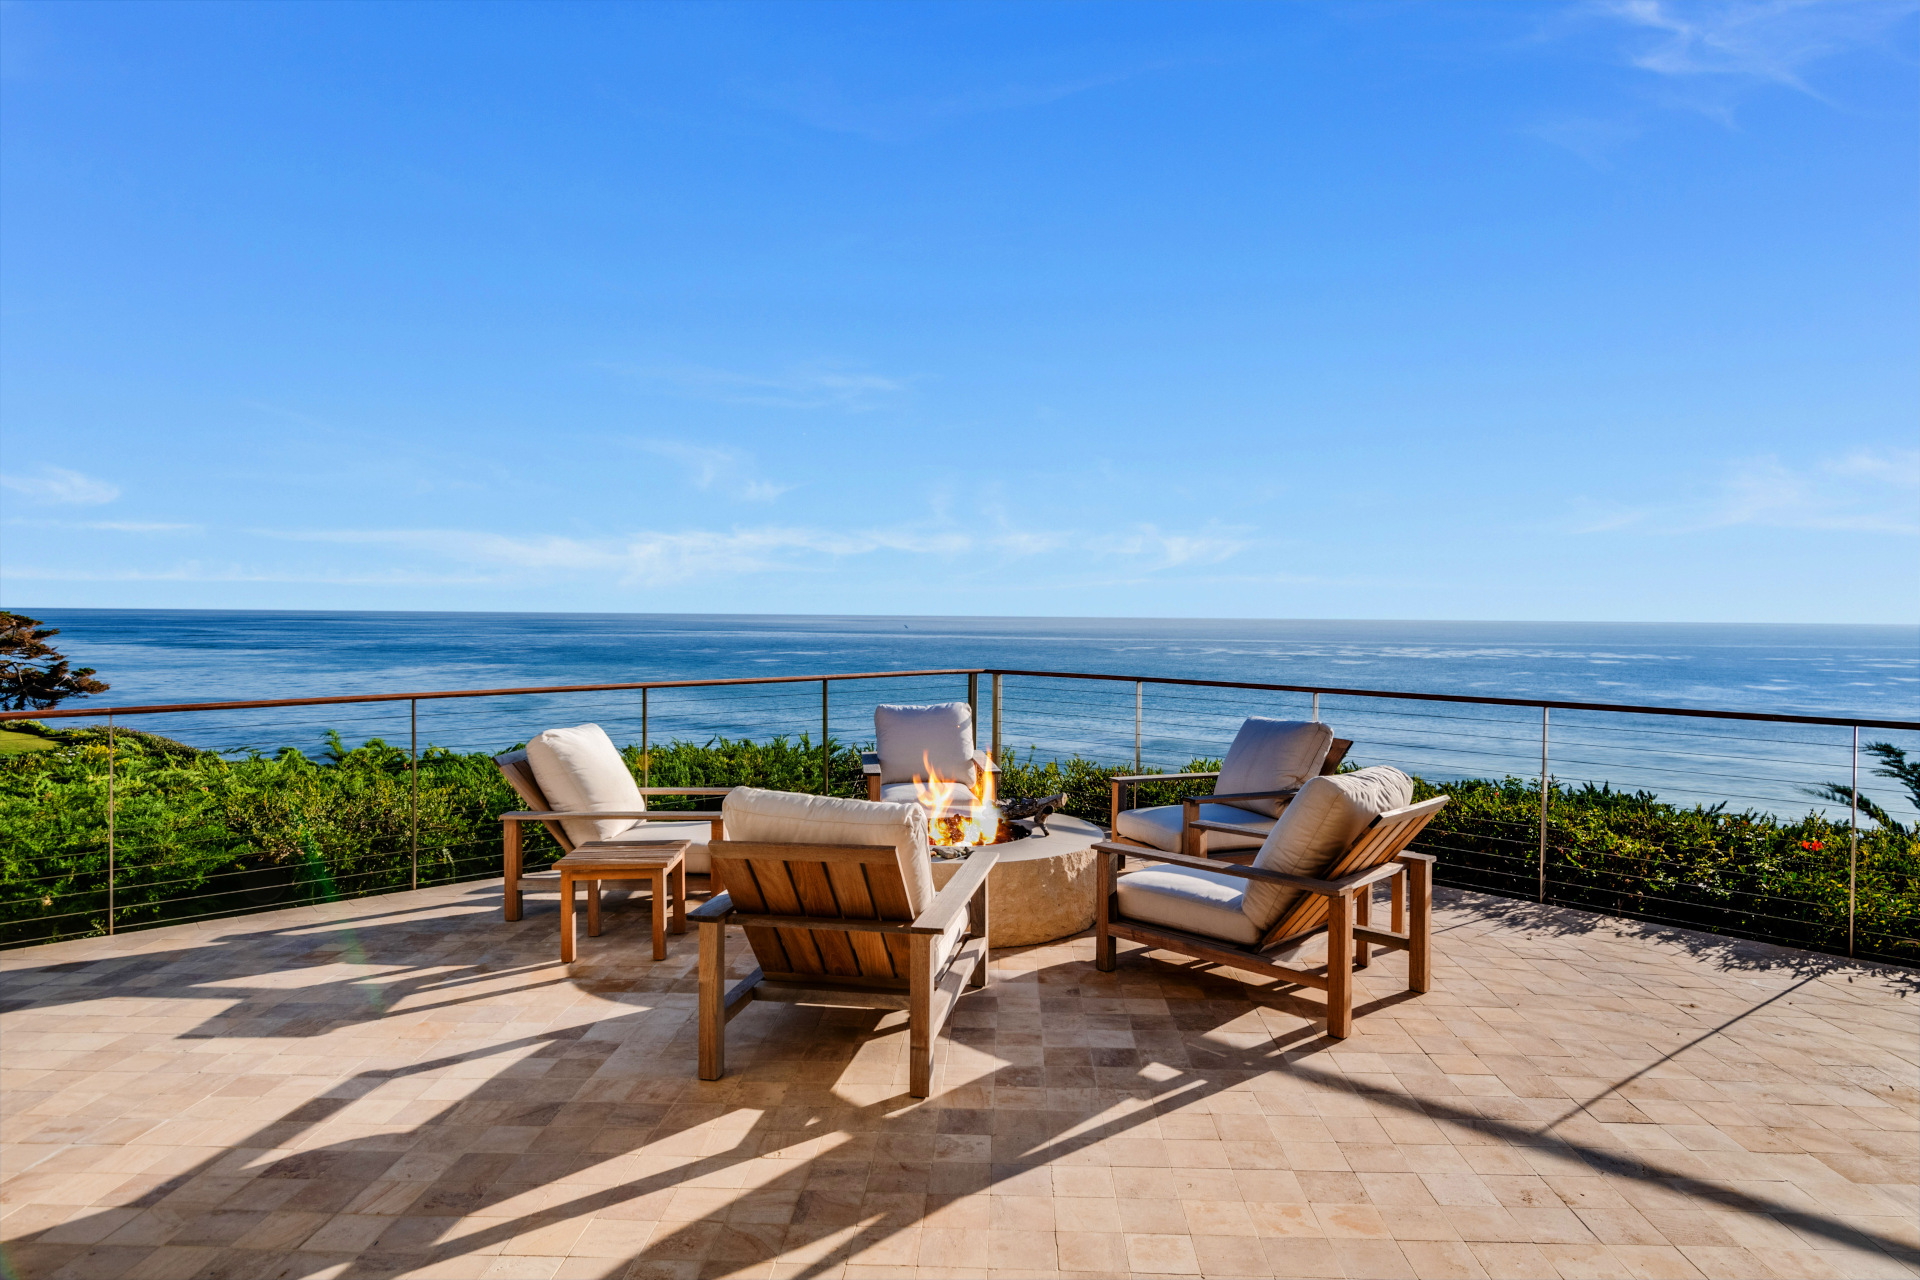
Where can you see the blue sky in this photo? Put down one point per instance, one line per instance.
(1589, 311)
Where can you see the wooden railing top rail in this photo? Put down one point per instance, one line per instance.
(1556, 704)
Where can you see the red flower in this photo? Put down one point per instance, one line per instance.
(1814, 845)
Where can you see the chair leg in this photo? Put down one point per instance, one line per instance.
(661, 892)
(873, 787)
(593, 908)
(1363, 915)
(680, 896)
(1340, 966)
(1397, 901)
(1106, 956)
(512, 870)
(920, 1016)
(713, 1000)
(566, 918)
(979, 925)
(1420, 925)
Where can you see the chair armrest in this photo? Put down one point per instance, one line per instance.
(1230, 828)
(718, 907)
(1161, 777)
(1229, 797)
(1329, 888)
(654, 815)
(869, 762)
(686, 791)
(952, 900)
(985, 761)
(548, 815)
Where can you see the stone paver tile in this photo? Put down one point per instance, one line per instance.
(1161, 1254)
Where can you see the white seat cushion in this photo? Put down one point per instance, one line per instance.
(579, 769)
(787, 817)
(1202, 902)
(1272, 755)
(908, 739)
(1159, 826)
(901, 793)
(1317, 827)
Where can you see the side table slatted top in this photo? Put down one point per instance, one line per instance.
(662, 862)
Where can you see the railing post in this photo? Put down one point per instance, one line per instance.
(413, 772)
(1853, 839)
(1138, 706)
(1543, 804)
(996, 717)
(826, 752)
(973, 705)
(1316, 708)
(646, 752)
(112, 822)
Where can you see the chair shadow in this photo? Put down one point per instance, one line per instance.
(844, 1178)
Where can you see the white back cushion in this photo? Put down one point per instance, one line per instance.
(907, 739)
(1272, 755)
(786, 817)
(1327, 816)
(579, 768)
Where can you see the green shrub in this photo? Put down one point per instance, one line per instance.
(197, 834)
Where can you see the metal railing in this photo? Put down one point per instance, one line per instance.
(1742, 760)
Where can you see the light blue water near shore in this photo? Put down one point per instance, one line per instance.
(155, 656)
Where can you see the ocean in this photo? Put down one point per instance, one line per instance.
(168, 656)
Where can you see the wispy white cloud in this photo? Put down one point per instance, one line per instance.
(727, 469)
(804, 387)
(196, 571)
(112, 526)
(656, 559)
(1775, 41)
(1864, 491)
(59, 485)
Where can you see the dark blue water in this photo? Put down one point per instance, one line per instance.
(164, 656)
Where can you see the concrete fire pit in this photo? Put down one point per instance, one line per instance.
(1042, 887)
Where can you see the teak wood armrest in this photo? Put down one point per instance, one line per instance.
(869, 762)
(1216, 797)
(984, 760)
(1231, 828)
(686, 791)
(1161, 777)
(718, 907)
(660, 815)
(953, 899)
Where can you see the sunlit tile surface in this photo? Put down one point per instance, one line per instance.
(405, 1085)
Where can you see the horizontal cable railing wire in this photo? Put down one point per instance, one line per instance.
(1687, 816)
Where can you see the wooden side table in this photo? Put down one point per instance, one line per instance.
(664, 862)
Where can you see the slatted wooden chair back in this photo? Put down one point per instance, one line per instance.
(519, 775)
(1386, 836)
(831, 882)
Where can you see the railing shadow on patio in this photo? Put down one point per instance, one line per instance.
(941, 1147)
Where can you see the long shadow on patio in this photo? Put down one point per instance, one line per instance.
(412, 1086)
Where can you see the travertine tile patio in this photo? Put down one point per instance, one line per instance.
(407, 1086)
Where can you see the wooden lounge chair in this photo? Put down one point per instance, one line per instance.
(1196, 911)
(1265, 766)
(910, 740)
(838, 904)
(609, 808)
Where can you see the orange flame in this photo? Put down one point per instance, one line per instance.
(959, 815)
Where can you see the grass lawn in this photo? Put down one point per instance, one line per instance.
(15, 743)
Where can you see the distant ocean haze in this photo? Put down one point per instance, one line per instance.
(169, 656)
